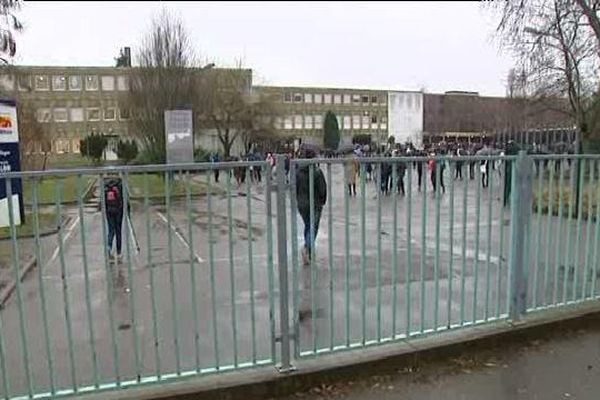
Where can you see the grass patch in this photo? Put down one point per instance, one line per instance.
(46, 189)
(47, 223)
(157, 186)
(566, 194)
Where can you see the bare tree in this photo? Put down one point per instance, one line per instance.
(166, 78)
(555, 49)
(590, 9)
(9, 25)
(234, 111)
(34, 139)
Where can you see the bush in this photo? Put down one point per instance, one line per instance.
(127, 150)
(331, 132)
(201, 155)
(93, 147)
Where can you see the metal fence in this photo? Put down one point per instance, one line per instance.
(203, 288)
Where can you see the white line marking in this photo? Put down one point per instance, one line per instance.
(65, 238)
(183, 240)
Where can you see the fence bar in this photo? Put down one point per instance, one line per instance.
(270, 272)
(59, 223)
(16, 254)
(394, 247)
(283, 261)
(477, 234)
(168, 178)
(592, 168)
(538, 242)
(190, 219)
(347, 263)
(128, 226)
(451, 252)
(548, 232)
(438, 179)
(408, 279)
(250, 262)
(363, 258)
(501, 250)
(282, 249)
(312, 253)
(572, 199)
(490, 184)
(423, 248)
(231, 265)
(211, 257)
(151, 268)
(561, 193)
(331, 271)
(580, 168)
(520, 221)
(596, 241)
(88, 303)
(464, 253)
(44, 308)
(5, 382)
(378, 258)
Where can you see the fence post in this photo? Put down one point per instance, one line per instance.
(521, 210)
(282, 262)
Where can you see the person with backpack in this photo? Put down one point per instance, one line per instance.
(113, 200)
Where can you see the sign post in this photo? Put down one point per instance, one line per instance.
(10, 161)
(179, 132)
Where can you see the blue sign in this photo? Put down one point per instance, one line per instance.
(10, 161)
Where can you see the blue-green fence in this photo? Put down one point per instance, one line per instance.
(213, 277)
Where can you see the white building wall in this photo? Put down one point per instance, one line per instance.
(405, 117)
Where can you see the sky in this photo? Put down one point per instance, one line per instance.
(434, 46)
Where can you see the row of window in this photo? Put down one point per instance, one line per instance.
(345, 122)
(319, 98)
(80, 114)
(62, 82)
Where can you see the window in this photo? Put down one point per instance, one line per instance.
(75, 146)
(298, 97)
(74, 82)
(318, 122)
(277, 123)
(337, 99)
(327, 98)
(122, 82)
(287, 122)
(76, 114)
(308, 97)
(365, 99)
(366, 121)
(339, 121)
(374, 100)
(93, 114)
(308, 121)
(59, 82)
(108, 83)
(123, 114)
(356, 99)
(287, 97)
(110, 114)
(43, 115)
(297, 121)
(91, 82)
(61, 115)
(24, 82)
(318, 98)
(62, 145)
(356, 122)
(7, 82)
(347, 122)
(42, 82)
(383, 123)
(347, 99)
(374, 119)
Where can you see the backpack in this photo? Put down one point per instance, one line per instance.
(113, 198)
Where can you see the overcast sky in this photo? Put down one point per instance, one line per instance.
(438, 46)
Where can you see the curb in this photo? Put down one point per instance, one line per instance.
(266, 382)
(24, 271)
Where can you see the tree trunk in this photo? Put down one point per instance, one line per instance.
(592, 19)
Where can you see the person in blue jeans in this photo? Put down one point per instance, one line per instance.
(303, 201)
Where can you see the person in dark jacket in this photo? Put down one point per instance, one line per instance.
(113, 202)
(303, 202)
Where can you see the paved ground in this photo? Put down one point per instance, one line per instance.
(467, 276)
(561, 364)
